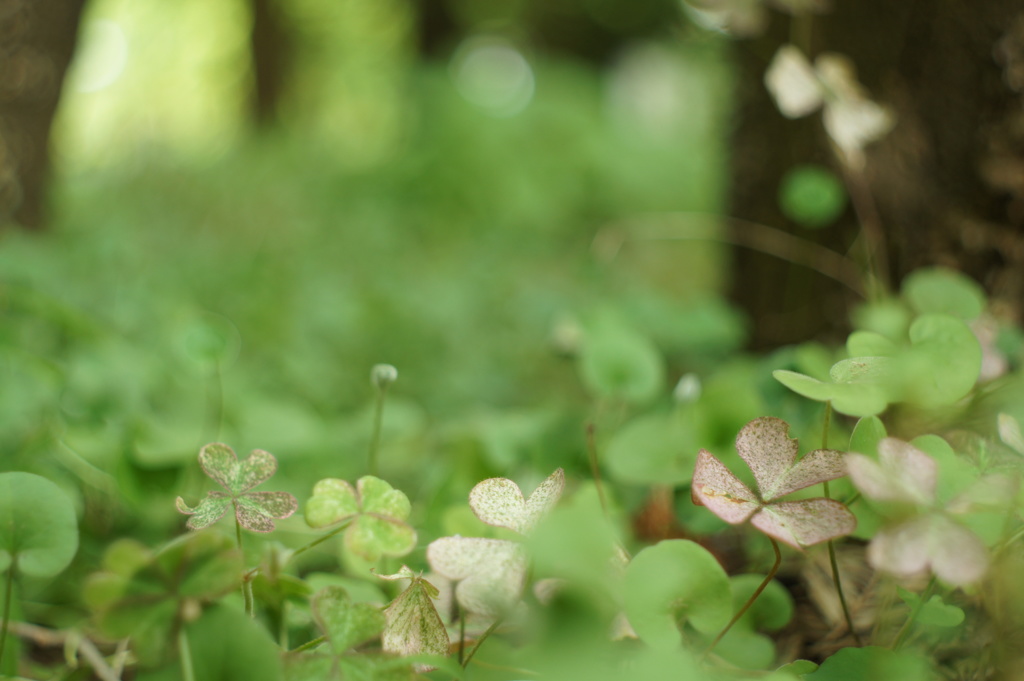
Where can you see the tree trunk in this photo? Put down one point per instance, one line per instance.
(271, 53)
(37, 40)
(948, 181)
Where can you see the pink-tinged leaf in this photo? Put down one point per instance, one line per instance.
(954, 553)
(278, 505)
(911, 469)
(958, 555)
(543, 499)
(902, 474)
(498, 502)
(210, 510)
(814, 469)
(258, 468)
(220, 463)
(490, 572)
(412, 625)
(723, 493)
(765, 445)
(251, 516)
(902, 549)
(806, 522)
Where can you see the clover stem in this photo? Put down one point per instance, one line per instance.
(901, 635)
(8, 595)
(750, 601)
(309, 644)
(319, 540)
(839, 590)
(827, 421)
(246, 580)
(479, 642)
(871, 230)
(185, 651)
(378, 420)
(462, 637)
(595, 471)
(831, 545)
(247, 595)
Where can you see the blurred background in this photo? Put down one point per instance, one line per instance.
(219, 214)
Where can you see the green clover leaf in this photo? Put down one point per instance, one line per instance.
(254, 511)
(346, 625)
(38, 525)
(148, 595)
(377, 513)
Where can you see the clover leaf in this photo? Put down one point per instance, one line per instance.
(345, 625)
(499, 502)
(491, 573)
(765, 446)
(412, 625)
(38, 525)
(938, 365)
(376, 512)
(672, 581)
(923, 535)
(148, 595)
(254, 511)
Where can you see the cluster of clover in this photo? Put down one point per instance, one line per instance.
(931, 509)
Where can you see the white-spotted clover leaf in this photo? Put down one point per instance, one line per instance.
(254, 511)
(764, 444)
(375, 510)
(923, 533)
(491, 573)
(412, 625)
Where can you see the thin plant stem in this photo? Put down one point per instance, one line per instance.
(247, 594)
(309, 644)
(246, 580)
(901, 635)
(826, 423)
(479, 642)
(8, 595)
(839, 591)
(462, 639)
(378, 421)
(693, 226)
(831, 544)
(319, 540)
(185, 652)
(871, 228)
(595, 471)
(750, 601)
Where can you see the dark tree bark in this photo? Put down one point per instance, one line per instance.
(37, 40)
(948, 181)
(271, 58)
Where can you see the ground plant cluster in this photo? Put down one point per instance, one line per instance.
(256, 440)
(885, 543)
